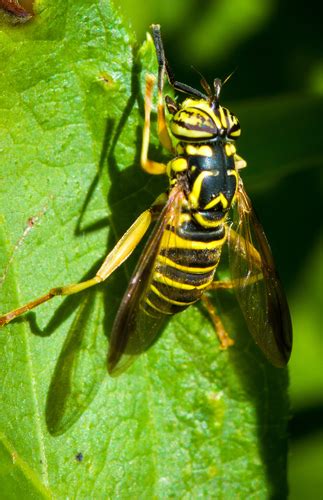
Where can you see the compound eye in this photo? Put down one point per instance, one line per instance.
(171, 105)
(234, 129)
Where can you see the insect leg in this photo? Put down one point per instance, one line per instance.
(150, 166)
(235, 283)
(114, 259)
(247, 251)
(224, 338)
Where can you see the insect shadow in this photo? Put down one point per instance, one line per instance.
(81, 365)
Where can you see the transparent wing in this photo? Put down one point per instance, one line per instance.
(134, 330)
(259, 290)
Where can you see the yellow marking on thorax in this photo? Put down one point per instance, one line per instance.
(230, 149)
(198, 150)
(232, 171)
(176, 165)
(194, 195)
(218, 199)
(236, 175)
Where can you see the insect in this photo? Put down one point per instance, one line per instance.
(178, 264)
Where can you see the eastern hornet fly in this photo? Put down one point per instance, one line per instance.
(179, 261)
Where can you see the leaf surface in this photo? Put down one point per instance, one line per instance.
(187, 420)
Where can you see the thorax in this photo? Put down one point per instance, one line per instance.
(209, 177)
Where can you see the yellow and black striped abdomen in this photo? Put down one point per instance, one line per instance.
(185, 267)
(191, 247)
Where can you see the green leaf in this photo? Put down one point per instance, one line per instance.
(187, 420)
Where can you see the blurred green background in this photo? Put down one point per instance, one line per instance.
(275, 49)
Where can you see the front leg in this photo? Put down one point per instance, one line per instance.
(113, 260)
(151, 166)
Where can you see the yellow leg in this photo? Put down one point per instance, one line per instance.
(150, 166)
(224, 338)
(163, 133)
(114, 259)
(230, 284)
